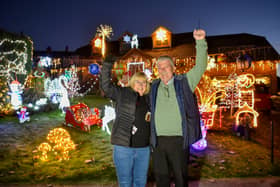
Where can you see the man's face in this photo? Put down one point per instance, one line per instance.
(165, 71)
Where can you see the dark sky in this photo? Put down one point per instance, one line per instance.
(58, 23)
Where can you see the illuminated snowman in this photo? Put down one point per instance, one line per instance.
(16, 91)
(23, 115)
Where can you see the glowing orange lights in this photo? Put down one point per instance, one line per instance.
(62, 144)
(246, 100)
(246, 96)
(246, 80)
(44, 148)
(105, 31)
(98, 43)
(207, 105)
(246, 109)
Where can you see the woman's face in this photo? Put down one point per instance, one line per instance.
(140, 86)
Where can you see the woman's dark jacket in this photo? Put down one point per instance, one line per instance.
(125, 99)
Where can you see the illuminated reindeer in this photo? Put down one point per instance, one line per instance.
(134, 41)
(109, 116)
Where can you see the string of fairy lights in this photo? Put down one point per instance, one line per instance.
(16, 65)
(13, 58)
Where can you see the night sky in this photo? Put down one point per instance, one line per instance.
(58, 23)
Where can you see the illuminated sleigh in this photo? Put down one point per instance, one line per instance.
(80, 116)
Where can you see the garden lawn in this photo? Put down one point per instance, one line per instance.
(91, 162)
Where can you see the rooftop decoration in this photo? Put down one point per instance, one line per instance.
(161, 38)
(96, 44)
(134, 41)
(105, 31)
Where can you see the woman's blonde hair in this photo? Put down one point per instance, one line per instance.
(139, 76)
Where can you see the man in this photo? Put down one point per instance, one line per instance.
(175, 120)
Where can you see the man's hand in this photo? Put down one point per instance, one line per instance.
(199, 34)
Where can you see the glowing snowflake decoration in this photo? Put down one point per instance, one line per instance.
(127, 39)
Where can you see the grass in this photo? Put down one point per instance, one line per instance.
(230, 156)
(226, 156)
(19, 166)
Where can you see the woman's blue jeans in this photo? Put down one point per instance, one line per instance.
(132, 165)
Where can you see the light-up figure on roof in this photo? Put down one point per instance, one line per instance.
(105, 31)
(134, 42)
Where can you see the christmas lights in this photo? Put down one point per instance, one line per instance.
(16, 91)
(109, 115)
(105, 31)
(246, 109)
(60, 144)
(134, 42)
(14, 60)
(23, 115)
(81, 116)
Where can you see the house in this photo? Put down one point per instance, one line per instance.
(232, 53)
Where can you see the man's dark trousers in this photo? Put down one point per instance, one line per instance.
(168, 158)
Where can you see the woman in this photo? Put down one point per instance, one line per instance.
(131, 130)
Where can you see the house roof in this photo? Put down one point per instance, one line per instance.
(183, 45)
(54, 54)
(135, 51)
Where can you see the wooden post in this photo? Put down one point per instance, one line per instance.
(272, 142)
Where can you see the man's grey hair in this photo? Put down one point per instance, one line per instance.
(168, 58)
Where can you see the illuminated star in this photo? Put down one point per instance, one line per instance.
(161, 35)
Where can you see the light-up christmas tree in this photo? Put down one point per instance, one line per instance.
(5, 105)
(73, 83)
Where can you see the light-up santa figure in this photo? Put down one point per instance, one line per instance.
(16, 91)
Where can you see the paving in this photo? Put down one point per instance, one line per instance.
(227, 182)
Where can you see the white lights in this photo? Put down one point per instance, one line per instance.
(161, 35)
(108, 116)
(17, 64)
